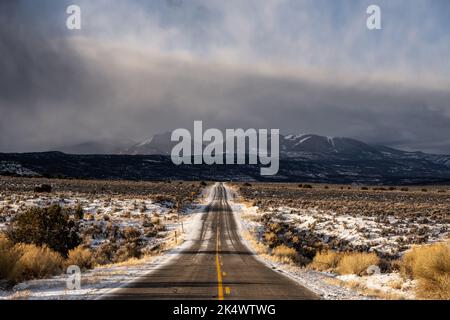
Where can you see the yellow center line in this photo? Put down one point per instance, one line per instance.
(219, 273)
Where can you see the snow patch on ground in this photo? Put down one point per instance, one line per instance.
(327, 285)
(391, 285)
(105, 279)
(385, 236)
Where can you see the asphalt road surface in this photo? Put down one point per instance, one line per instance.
(218, 266)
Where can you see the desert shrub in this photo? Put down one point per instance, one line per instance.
(164, 199)
(147, 222)
(43, 188)
(151, 233)
(8, 257)
(404, 189)
(307, 186)
(49, 226)
(357, 263)
(285, 254)
(128, 251)
(364, 188)
(36, 262)
(79, 213)
(437, 288)
(155, 220)
(271, 239)
(106, 253)
(247, 184)
(430, 265)
(81, 257)
(131, 233)
(327, 260)
(132, 245)
(275, 227)
(113, 231)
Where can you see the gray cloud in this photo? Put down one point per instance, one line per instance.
(68, 89)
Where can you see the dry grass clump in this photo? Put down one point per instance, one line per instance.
(259, 247)
(430, 265)
(8, 257)
(285, 254)
(271, 239)
(324, 261)
(35, 262)
(344, 262)
(20, 262)
(81, 257)
(357, 263)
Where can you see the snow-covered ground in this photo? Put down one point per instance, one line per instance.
(104, 279)
(101, 213)
(327, 285)
(385, 236)
(315, 281)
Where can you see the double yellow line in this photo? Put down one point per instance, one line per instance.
(219, 272)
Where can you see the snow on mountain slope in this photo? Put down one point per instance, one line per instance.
(159, 144)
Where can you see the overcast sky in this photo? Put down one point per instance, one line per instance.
(304, 66)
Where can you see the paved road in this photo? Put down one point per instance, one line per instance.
(217, 266)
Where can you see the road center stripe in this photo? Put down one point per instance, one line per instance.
(219, 273)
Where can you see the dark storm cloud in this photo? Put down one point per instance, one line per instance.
(42, 81)
(58, 89)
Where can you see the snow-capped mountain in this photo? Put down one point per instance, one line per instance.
(159, 144)
(316, 147)
(309, 144)
(306, 146)
(304, 157)
(290, 145)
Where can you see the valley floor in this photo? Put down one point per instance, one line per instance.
(267, 216)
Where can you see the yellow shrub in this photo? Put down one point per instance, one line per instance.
(285, 254)
(430, 265)
(8, 257)
(271, 238)
(327, 260)
(357, 263)
(36, 262)
(81, 257)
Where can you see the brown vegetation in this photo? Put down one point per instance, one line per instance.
(430, 265)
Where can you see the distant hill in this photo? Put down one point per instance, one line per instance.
(344, 169)
(104, 146)
(304, 157)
